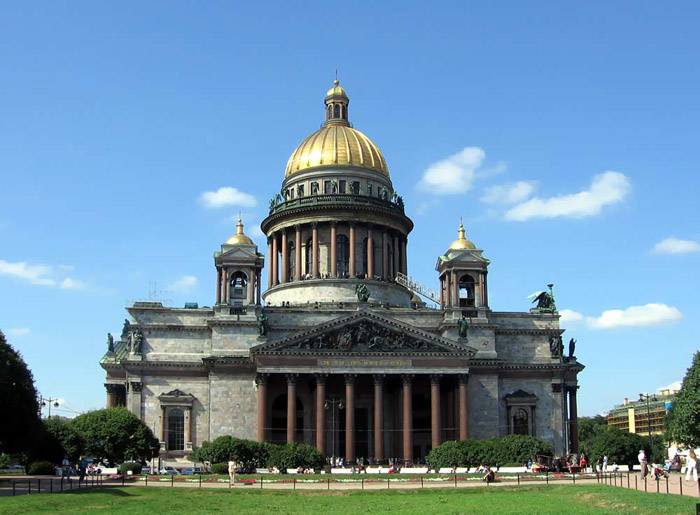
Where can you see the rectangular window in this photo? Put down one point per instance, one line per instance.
(341, 189)
(300, 190)
(356, 187)
(327, 187)
(369, 189)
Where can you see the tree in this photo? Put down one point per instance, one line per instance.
(591, 426)
(18, 402)
(116, 434)
(247, 453)
(70, 441)
(619, 446)
(683, 419)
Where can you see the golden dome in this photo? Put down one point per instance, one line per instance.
(239, 238)
(336, 90)
(462, 243)
(336, 144)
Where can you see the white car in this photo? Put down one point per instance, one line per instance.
(168, 471)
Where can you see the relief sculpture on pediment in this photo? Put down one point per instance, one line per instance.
(363, 337)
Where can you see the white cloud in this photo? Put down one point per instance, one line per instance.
(452, 175)
(19, 331)
(35, 274)
(606, 188)
(508, 193)
(633, 316)
(676, 246)
(227, 196)
(568, 316)
(72, 284)
(256, 231)
(184, 283)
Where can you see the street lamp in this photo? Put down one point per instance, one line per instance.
(647, 398)
(331, 404)
(49, 402)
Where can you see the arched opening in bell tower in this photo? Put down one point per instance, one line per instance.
(466, 291)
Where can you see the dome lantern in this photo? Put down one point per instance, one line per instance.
(337, 105)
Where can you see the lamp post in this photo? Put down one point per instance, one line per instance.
(44, 402)
(647, 398)
(331, 404)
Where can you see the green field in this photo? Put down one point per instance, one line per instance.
(532, 499)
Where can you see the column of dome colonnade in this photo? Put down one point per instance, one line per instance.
(456, 389)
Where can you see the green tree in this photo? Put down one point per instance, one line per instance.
(619, 446)
(69, 439)
(247, 453)
(683, 419)
(591, 426)
(18, 402)
(115, 434)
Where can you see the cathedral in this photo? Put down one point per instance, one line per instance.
(339, 350)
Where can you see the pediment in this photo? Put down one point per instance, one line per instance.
(363, 333)
(463, 256)
(247, 252)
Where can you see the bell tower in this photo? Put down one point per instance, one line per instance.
(463, 286)
(238, 266)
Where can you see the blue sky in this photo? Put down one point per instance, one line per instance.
(565, 134)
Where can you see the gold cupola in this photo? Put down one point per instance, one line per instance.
(462, 243)
(239, 238)
(336, 144)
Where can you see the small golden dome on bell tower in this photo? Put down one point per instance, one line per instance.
(239, 238)
(337, 105)
(462, 243)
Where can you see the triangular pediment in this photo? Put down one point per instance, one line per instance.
(246, 252)
(362, 333)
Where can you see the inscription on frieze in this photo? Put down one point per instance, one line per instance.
(359, 362)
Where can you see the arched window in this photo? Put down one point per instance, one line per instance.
(466, 291)
(330, 112)
(291, 260)
(342, 255)
(521, 424)
(176, 430)
(364, 257)
(337, 111)
(237, 283)
(309, 256)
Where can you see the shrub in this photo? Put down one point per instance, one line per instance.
(219, 468)
(494, 451)
(41, 468)
(246, 453)
(294, 455)
(132, 466)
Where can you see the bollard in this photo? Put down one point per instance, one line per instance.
(628, 479)
(547, 476)
(200, 481)
(518, 478)
(38, 486)
(680, 482)
(294, 483)
(61, 483)
(123, 479)
(574, 476)
(455, 480)
(645, 483)
(666, 484)
(29, 486)
(261, 482)
(14, 487)
(387, 483)
(172, 479)
(70, 483)
(146, 479)
(362, 482)
(635, 483)
(657, 486)
(328, 483)
(51, 485)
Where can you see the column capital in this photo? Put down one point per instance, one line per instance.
(571, 388)
(463, 378)
(314, 225)
(261, 378)
(292, 378)
(334, 223)
(321, 378)
(114, 388)
(407, 378)
(350, 378)
(135, 386)
(378, 379)
(435, 378)
(556, 387)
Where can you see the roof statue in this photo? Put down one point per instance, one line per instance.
(545, 301)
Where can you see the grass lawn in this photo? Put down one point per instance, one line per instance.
(531, 499)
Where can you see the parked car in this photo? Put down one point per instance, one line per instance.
(14, 469)
(169, 471)
(193, 471)
(146, 470)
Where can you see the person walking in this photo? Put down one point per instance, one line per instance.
(691, 466)
(642, 458)
(231, 471)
